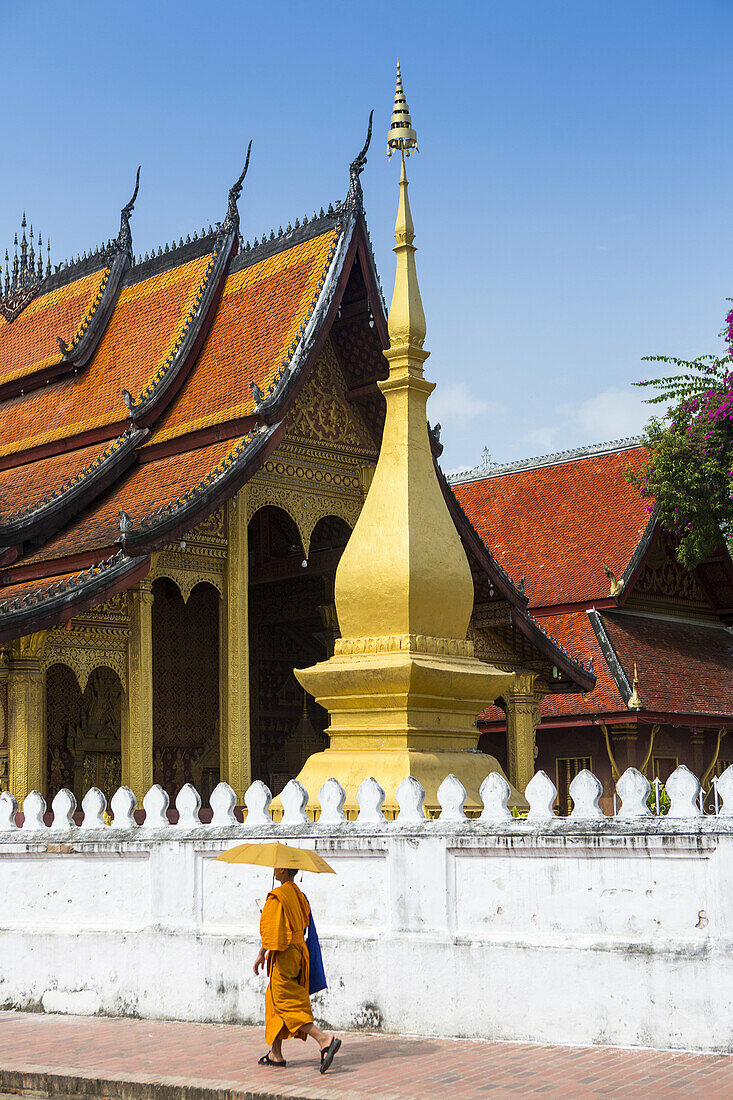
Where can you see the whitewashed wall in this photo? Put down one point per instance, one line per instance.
(577, 930)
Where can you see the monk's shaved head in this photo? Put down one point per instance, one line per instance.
(285, 874)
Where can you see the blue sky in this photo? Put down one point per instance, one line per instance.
(571, 196)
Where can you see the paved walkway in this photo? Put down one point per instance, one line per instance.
(166, 1060)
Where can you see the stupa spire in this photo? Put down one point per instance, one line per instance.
(401, 134)
(406, 322)
(403, 687)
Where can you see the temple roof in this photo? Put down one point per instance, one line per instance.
(557, 522)
(198, 357)
(603, 580)
(30, 343)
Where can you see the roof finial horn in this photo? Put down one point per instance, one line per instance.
(231, 221)
(124, 238)
(355, 196)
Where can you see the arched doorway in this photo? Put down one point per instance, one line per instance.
(185, 687)
(292, 624)
(83, 742)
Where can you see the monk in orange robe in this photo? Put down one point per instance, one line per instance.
(288, 1013)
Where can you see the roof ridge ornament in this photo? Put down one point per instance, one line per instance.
(124, 237)
(231, 221)
(355, 197)
(635, 702)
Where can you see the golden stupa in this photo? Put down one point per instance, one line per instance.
(403, 688)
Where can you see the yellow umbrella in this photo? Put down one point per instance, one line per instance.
(276, 854)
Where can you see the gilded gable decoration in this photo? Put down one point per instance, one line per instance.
(198, 558)
(324, 413)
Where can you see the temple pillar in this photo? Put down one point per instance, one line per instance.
(697, 744)
(26, 693)
(137, 722)
(522, 704)
(624, 740)
(234, 745)
(4, 752)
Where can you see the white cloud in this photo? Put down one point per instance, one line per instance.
(453, 404)
(612, 414)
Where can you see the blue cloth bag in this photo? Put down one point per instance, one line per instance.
(317, 975)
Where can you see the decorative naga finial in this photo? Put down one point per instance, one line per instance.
(125, 528)
(231, 221)
(401, 134)
(635, 702)
(124, 238)
(355, 196)
(616, 584)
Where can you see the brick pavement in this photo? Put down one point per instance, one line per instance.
(168, 1060)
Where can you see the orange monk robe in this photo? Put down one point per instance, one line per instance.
(283, 923)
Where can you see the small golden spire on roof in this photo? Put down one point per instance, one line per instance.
(401, 134)
(635, 702)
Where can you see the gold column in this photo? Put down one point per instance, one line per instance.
(697, 742)
(137, 724)
(235, 758)
(27, 716)
(625, 747)
(522, 719)
(4, 753)
(125, 735)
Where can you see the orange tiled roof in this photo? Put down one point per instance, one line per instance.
(556, 524)
(9, 593)
(576, 633)
(682, 667)
(52, 599)
(143, 328)
(28, 344)
(24, 485)
(260, 313)
(139, 492)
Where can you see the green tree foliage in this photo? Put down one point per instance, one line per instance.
(688, 480)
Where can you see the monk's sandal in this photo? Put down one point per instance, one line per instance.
(329, 1053)
(266, 1060)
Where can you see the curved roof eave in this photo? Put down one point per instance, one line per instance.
(288, 383)
(48, 515)
(581, 677)
(173, 520)
(64, 599)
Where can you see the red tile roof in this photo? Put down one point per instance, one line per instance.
(556, 524)
(682, 667)
(575, 632)
(27, 484)
(29, 343)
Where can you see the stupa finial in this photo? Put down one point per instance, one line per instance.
(401, 134)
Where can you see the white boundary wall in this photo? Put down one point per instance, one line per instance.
(577, 930)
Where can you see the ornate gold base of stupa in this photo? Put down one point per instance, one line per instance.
(407, 709)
